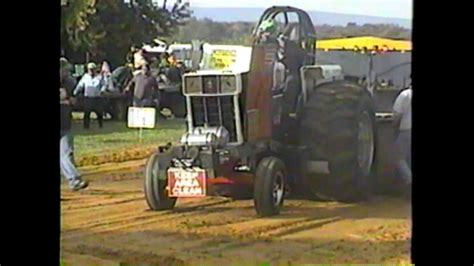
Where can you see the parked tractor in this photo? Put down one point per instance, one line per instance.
(268, 120)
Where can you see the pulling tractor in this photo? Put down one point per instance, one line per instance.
(269, 121)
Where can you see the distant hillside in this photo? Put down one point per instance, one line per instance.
(240, 32)
(318, 17)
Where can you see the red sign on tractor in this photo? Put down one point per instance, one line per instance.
(187, 183)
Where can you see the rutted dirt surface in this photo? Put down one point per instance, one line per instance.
(110, 224)
(116, 157)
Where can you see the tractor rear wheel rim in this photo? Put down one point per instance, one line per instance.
(278, 188)
(365, 147)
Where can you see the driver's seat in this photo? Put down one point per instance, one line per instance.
(293, 53)
(292, 32)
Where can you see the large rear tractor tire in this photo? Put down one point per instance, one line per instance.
(338, 126)
(155, 189)
(269, 187)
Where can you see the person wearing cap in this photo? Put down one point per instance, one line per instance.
(92, 85)
(402, 125)
(144, 85)
(66, 147)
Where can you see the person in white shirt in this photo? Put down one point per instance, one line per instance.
(402, 123)
(93, 86)
(106, 74)
(138, 61)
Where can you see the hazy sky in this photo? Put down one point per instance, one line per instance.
(382, 8)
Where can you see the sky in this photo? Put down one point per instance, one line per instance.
(380, 8)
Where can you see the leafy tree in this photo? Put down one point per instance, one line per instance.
(107, 28)
(74, 22)
(115, 25)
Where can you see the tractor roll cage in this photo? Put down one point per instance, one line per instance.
(307, 33)
(305, 21)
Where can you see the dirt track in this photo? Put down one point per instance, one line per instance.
(109, 224)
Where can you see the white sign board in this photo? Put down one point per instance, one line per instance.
(234, 58)
(139, 117)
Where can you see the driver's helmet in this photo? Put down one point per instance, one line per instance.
(268, 26)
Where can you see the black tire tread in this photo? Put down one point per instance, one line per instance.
(155, 193)
(263, 201)
(329, 128)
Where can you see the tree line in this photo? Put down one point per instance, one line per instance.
(106, 29)
(240, 32)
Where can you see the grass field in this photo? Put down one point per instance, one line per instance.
(116, 142)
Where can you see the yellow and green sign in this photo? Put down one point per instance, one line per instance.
(222, 59)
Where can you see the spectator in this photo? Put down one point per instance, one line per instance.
(66, 147)
(92, 85)
(107, 76)
(139, 60)
(129, 57)
(174, 74)
(402, 123)
(65, 77)
(164, 63)
(144, 86)
(121, 76)
(181, 67)
(171, 59)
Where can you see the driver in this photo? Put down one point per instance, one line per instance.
(268, 30)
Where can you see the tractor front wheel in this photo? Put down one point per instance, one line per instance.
(269, 188)
(155, 188)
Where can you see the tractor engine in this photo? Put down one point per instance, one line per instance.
(213, 109)
(212, 144)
